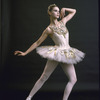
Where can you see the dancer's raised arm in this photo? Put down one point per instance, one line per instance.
(44, 35)
(71, 12)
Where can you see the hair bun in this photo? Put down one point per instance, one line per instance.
(51, 6)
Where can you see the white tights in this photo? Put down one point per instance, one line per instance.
(49, 68)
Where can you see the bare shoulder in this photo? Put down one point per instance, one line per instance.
(48, 30)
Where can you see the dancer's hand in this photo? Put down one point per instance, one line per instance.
(19, 53)
(62, 13)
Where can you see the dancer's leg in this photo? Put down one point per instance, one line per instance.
(49, 68)
(70, 72)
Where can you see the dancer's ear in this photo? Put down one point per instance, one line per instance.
(49, 13)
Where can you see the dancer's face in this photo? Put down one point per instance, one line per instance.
(55, 12)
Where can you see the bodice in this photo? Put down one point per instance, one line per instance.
(60, 35)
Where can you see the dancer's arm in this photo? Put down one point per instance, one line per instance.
(36, 44)
(71, 13)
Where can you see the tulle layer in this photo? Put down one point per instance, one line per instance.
(61, 54)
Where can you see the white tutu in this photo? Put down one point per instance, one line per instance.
(61, 52)
(70, 56)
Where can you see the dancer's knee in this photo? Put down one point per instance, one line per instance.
(73, 80)
(43, 78)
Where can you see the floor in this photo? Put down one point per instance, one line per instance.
(21, 95)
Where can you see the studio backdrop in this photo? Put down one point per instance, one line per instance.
(23, 22)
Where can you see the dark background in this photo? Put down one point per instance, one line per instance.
(23, 22)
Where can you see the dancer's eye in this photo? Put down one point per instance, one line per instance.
(56, 11)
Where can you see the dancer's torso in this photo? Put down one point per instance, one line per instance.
(60, 35)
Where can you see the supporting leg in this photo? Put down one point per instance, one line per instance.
(70, 72)
(49, 68)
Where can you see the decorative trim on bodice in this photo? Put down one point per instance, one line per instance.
(61, 30)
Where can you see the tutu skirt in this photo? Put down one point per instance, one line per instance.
(61, 54)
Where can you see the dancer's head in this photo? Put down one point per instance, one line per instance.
(53, 11)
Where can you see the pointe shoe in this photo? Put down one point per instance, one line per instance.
(28, 98)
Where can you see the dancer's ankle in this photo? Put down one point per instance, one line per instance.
(29, 98)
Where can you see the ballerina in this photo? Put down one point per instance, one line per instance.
(61, 52)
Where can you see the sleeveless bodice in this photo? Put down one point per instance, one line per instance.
(60, 35)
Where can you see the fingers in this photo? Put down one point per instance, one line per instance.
(18, 53)
(62, 15)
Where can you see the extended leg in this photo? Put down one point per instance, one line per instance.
(49, 68)
(70, 72)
